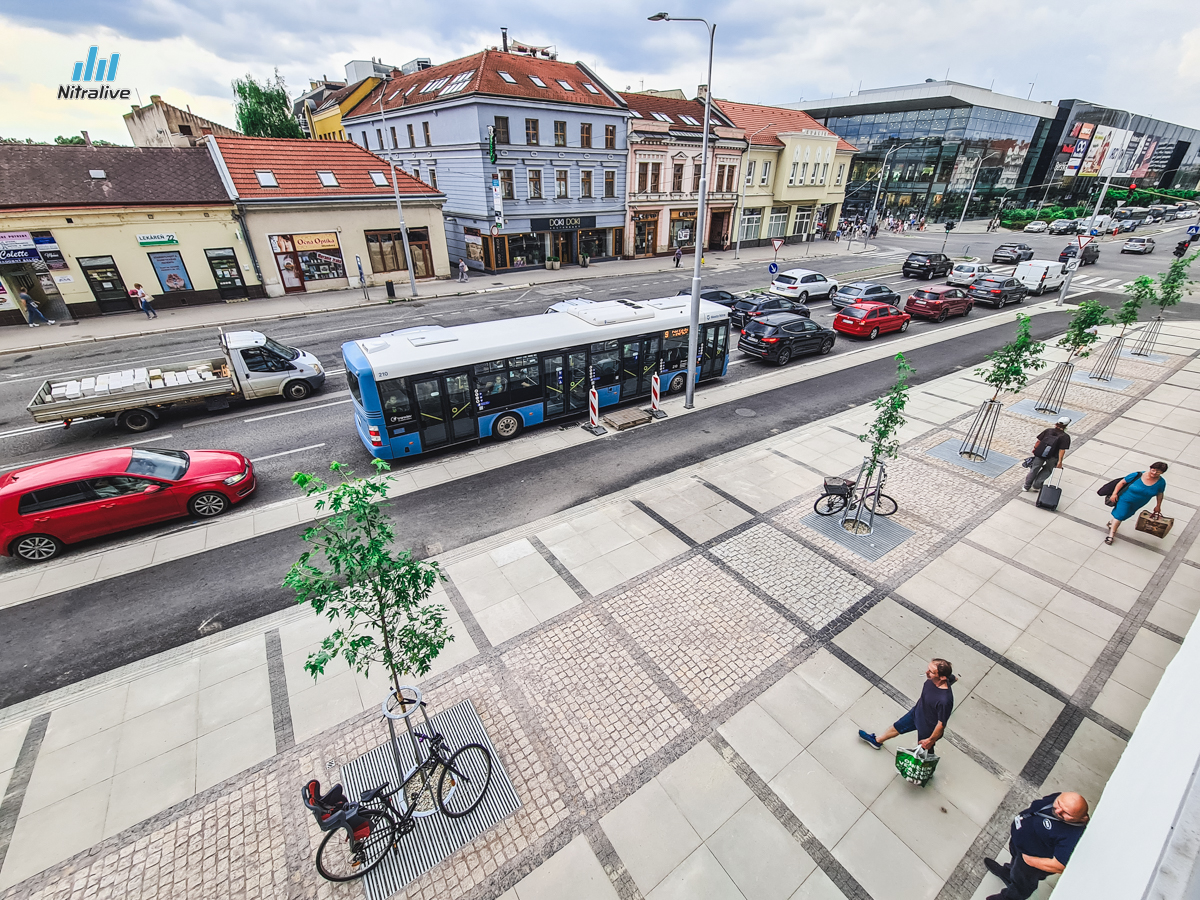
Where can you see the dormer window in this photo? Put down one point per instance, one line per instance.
(506, 77)
(266, 178)
(537, 81)
(96, 173)
(635, 114)
(328, 179)
(458, 82)
(379, 179)
(688, 120)
(566, 85)
(590, 88)
(662, 117)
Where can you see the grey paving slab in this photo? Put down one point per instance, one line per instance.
(762, 858)
(650, 834)
(996, 463)
(572, 872)
(704, 788)
(699, 877)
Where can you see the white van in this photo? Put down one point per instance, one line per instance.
(1041, 275)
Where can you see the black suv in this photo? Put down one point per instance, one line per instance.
(780, 336)
(849, 294)
(998, 290)
(749, 308)
(927, 265)
(1012, 253)
(716, 295)
(1064, 226)
(1091, 253)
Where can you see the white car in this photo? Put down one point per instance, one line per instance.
(801, 284)
(964, 274)
(1036, 227)
(1138, 245)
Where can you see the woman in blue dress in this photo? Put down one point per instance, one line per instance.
(1133, 492)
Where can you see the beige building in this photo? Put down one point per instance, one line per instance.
(159, 124)
(794, 174)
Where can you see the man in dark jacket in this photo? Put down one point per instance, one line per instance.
(1049, 450)
(929, 717)
(1041, 839)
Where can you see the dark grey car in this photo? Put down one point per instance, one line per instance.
(849, 294)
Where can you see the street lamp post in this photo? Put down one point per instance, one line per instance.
(412, 277)
(737, 222)
(882, 173)
(694, 328)
(978, 169)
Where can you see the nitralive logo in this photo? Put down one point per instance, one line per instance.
(95, 70)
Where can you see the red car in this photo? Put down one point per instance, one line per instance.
(939, 302)
(870, 320)
(49, 505)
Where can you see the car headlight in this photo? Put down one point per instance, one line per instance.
(240, 476)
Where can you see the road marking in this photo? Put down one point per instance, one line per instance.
(292, 412)
(1108, 283)
(30, 429)
(38, 462)
(258, 459)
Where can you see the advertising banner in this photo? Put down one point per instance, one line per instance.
(170, 271)
(47, 248)
(17, 247)
(324, 241)
(1141, 165)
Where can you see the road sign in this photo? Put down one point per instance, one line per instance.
(773, 268)
(1072, 264)
(1194, 229)
(495, 230)
(776, 243)
(1084, 240)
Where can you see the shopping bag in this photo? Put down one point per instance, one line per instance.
(1159, 526)
(916, 765)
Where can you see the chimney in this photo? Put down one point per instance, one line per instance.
(504, 39)
(155, 98)
(86, 139)
(135, 107)
(701, 91)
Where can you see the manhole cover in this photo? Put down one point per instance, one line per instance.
(747, 413)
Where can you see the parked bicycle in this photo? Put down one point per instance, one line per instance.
(359, 835)
(842, 492)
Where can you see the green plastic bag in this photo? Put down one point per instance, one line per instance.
(916, 765)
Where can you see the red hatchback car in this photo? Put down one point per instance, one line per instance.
(870, 320)
(49, 505)
(939, 302)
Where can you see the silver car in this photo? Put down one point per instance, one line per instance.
(1138, 245)
(801, 284)
(964, 274)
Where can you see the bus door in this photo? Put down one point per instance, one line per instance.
(713, 350)
(446, 408)
(566, 383)
(639, 362)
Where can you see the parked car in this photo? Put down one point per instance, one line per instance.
(939, 302)
(1128, 225)
(1041, 275)
(747, 308)
(1012, 253)
(1036, 227)
(780, 336)
(801, 284)
(964, 273)
(716, 295)
(870, 320)
(1138, 245)
(1091, 253)
(1063, 226)
(926, 265)
(46, 506)
(998, 290)
(857, 291)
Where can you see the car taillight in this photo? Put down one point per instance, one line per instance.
(995, 290)
(373, 432)
(773, 340)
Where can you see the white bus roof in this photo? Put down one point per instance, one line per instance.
(432, 348)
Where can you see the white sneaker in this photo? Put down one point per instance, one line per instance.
(51, 321)
(33, 324)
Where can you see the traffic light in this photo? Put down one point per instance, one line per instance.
(949, 226)
(1181, 248)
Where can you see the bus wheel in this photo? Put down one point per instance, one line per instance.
(506, 427)
(677, 383)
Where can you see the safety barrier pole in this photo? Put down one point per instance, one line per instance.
(593, 424)
(655, 394)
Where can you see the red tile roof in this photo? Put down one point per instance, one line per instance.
(295, 163)
(751, 118)
(483, 69)
(648, 104)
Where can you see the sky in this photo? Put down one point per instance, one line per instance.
(1143, 57)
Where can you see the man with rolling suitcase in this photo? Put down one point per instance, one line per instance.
(1049, 450)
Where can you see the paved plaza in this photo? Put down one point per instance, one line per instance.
(674, 677)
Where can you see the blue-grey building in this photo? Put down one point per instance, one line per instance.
(557, 186)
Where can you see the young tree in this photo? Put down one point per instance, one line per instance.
(1171, 286)
(883, 434)
(1129, 310)
(76, 140)
(374, 594)
(1081, 330)
(264, 110)
(1014, 363)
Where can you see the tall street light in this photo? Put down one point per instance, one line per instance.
(737, 223)
(882, 173)
(694, 329)
(978, 169)
(412, 276)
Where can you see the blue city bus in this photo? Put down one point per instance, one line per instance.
(432, 386)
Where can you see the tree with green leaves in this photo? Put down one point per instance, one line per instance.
(373, 593)
(265, 110)
(1013, 365)
(883, 434)
(1081, 330)
(76, 140)
(1169, 290)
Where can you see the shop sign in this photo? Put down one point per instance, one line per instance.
(17, 247)
(64, 279)
(164, 237)
(562, 223)
(325, 241)
(47, 248)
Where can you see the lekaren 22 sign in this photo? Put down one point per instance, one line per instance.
(95, 70)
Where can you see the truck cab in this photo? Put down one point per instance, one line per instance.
(263, 367)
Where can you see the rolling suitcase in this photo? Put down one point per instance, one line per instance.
(1050, 494)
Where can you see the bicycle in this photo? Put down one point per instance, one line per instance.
(842, 492)
(359, 835)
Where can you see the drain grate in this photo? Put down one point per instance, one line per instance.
(1026, 408)
(885, 537)
(995, 464)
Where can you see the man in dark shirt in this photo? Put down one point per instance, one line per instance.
(929, 717)
(1048, 452)
(1041, 839)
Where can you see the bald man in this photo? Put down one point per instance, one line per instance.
(1041, 840)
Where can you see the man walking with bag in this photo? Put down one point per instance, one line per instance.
(1049, 450)
(929, 717)
(1041, 839)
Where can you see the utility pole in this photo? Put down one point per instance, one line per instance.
(737, 220)
(412, 276)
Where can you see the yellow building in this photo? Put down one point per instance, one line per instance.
(326, 120)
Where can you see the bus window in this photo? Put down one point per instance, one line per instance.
(397, 406)
(524, 383)
(491, 380)
(606, 363)
(675, 349)
(355, 390)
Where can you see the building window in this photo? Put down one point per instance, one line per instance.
(730, 176)
(803, 173)
(560, 134)
(792, 177)
(395, 143)
(720, 178)
(677, 178)
(751, 222)
(380, 180)
(425, 129)
(385, 249)
(750, 172)
(610, 137)
(506, 184)
(535, 184)
(655, 172)
(696, 176)
(417, 172)
(531, 131)
(643, 177)
(266, 178)
(585, 184)
(561, 191)
(379, 137)
(328, 179)
(365, 145)
(816, 169)
(766, 173)
(841, 172)
(412, 140)
(825, 173)
(585, 134)
(777, 223)
(803, 222)
(610, 184)
(501, 130)
(433, 178)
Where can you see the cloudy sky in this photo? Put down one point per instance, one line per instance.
(770, 51)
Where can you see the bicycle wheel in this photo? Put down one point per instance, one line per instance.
(886, 505)
(342, 859)
(828, 504)
(465, 778)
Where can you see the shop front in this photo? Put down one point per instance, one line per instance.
(566, 239)
(645, 233)
(308, 261)
(683, 229)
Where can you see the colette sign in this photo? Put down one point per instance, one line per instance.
(17, 247)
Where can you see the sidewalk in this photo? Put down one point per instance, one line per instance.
(674, 676)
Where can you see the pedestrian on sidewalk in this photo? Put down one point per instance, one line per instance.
(929, 717)
(144, 302)
(33, 309)
(1041, 840)
(1133, 492)
(1048, 452)
(678, 256)
(462, 270)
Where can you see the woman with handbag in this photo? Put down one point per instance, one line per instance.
(1133, 492)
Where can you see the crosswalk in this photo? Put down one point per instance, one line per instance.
(1091, 282)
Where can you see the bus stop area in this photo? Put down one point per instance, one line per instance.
(673, 676)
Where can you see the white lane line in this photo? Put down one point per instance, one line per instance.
(1087, 280)
(292, 412)
(30, 429)
(258, 459)
(38, 462)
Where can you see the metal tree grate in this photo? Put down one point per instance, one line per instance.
(978, 442)
(1148, 337)
(1106, 362)
(1112, 384)
(1027, 408)
(1127, 353)
(996, 463)
(885, 535)
(1055, 391)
